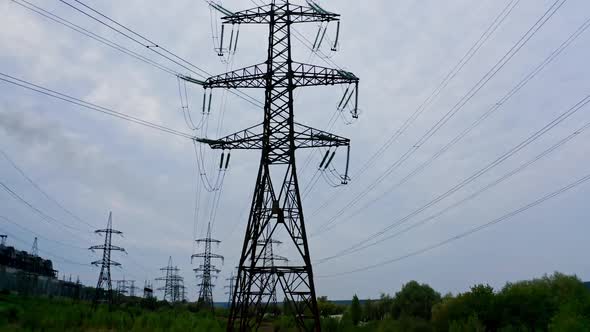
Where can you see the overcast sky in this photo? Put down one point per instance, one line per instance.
(401, 50)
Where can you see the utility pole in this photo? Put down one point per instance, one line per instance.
(276, 202)
(207, 271)
(104, 283)
(35, 249)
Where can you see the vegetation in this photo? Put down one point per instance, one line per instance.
(53, 314)
(552, 303)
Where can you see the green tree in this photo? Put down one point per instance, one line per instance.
(355, 310)
(415, 300)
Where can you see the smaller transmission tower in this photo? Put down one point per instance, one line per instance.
(230, 287)
(268, 259)
(3, 238)
(104, 286)
(35, 249)
(207, 271)
(148, 290)
(173, 283)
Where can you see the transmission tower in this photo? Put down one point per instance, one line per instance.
(230, 287)
(35, 249)
(268, 260)
(207, 271)
(148, 290)
(104, 284)
(276, 202)
(3, 238)
(173, 283)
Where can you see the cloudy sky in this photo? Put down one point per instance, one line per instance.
(91, 163)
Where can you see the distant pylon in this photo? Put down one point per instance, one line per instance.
(230, 287)
(35, 249)
(148, 290)
(173, 283)
(207, 271)
(268, 259)
(3, 238)
(104, 284)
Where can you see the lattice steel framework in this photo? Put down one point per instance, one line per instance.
(173, 283)
(104, 286)
(207, 271)
(276, 204)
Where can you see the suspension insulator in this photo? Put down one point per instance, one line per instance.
(322, 38)
(324, 159)
(231, 39)
(204, 99)
(236, 41)
(343, 97)
(227, 159)
(330, 160)
(335, 46)
(220, 53)
(210, 97)
(221, 161)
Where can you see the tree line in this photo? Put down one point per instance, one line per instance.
(552, 303)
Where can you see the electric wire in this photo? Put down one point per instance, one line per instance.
(496, 106)
(533, 137)
(455, 70)
(36, 186)
(61, 96)
(468, 232)
(58, 257)
(456, 108)
(21, 226)
(60, 20)
(154, 47)
(489, 186)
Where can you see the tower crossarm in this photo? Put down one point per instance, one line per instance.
(256, 77)
(103, 247)
(202, 255)
(251, 138)
(296, 13)
(113, 231)
(100, 262)
(311, 75)
(308, 137)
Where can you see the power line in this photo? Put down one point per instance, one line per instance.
(154, 47)
(498, 20)
(61, 96)
(42, 214)
(49, 197)
(60, 20)
(456, 108)
(494, 183)
(61, 258)
(39, 235)
(470, 231)
(562, 117)
(496, 106)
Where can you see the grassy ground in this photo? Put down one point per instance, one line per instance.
(44, 314)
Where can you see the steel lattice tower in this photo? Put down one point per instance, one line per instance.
(35, 248)
(173, 283)
(104, 278)
(276, 203)
(207, 271)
